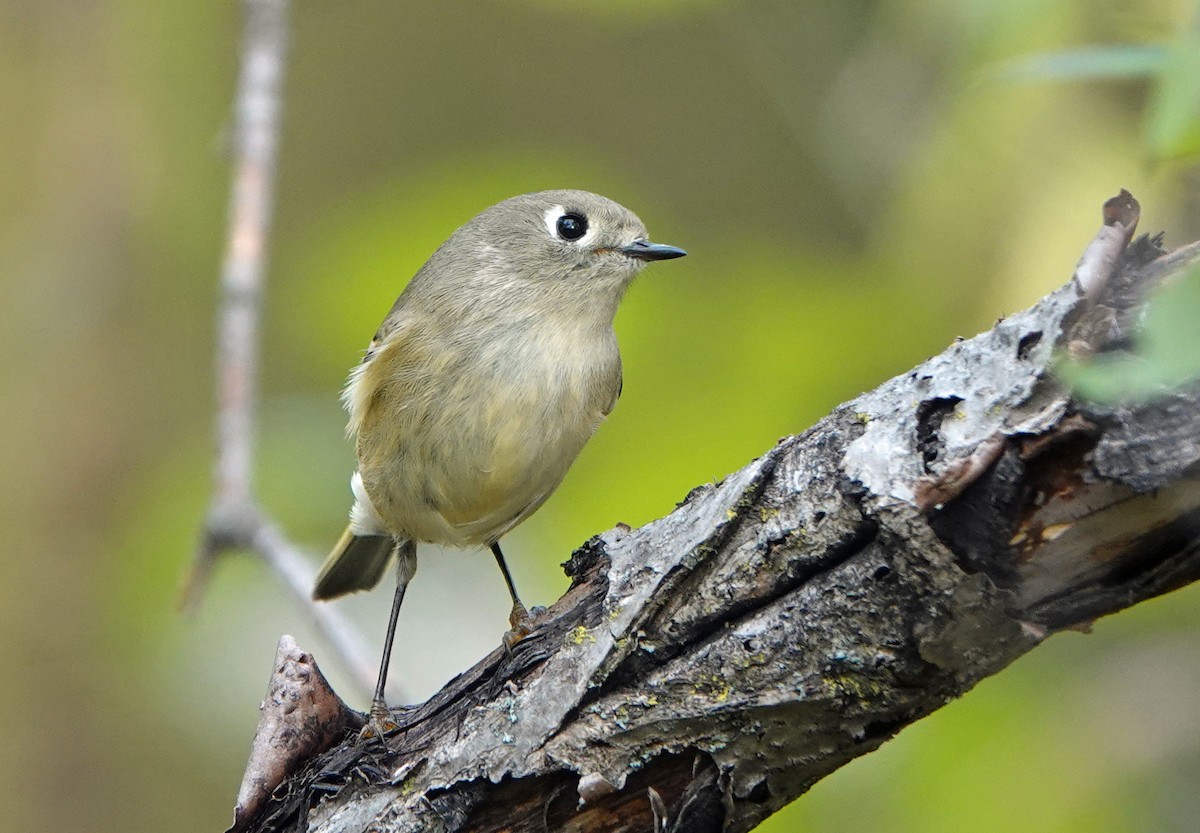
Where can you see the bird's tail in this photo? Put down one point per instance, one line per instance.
(356, 563)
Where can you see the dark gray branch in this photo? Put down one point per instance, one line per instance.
(707, 669)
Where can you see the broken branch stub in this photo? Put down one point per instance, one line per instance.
(300, 717)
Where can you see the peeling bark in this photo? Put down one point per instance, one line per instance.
(708, 668)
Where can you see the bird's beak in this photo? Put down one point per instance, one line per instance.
(645, 250)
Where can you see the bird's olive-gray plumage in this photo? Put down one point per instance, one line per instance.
(486, 378)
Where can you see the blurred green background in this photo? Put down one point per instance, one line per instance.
(855, 189)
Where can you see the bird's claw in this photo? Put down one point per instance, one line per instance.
(379, 724)
(521, 624)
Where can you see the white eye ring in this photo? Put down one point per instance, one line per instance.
(552, 217)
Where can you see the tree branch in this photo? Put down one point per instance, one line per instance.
(708, 668)
(234, 520)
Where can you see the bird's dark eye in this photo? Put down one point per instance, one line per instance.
(572, 226)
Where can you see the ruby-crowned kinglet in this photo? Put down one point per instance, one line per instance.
(493, 368)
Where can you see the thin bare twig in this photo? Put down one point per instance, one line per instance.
(234, 519)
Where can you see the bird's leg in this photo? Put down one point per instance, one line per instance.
(381, 723)
(519, 619)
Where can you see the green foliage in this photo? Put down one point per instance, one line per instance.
(1088, 64)
(1173, 118)
(1171, 124)
(1166, 355)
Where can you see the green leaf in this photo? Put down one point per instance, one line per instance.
(1167, 354)
(1121, 61)
(1172, 127)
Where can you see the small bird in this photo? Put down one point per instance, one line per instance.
(495, 365)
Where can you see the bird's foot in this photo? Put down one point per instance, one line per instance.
(379, 723)
(521, 624)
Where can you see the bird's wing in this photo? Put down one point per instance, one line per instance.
(369, 374)
(620, 386)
